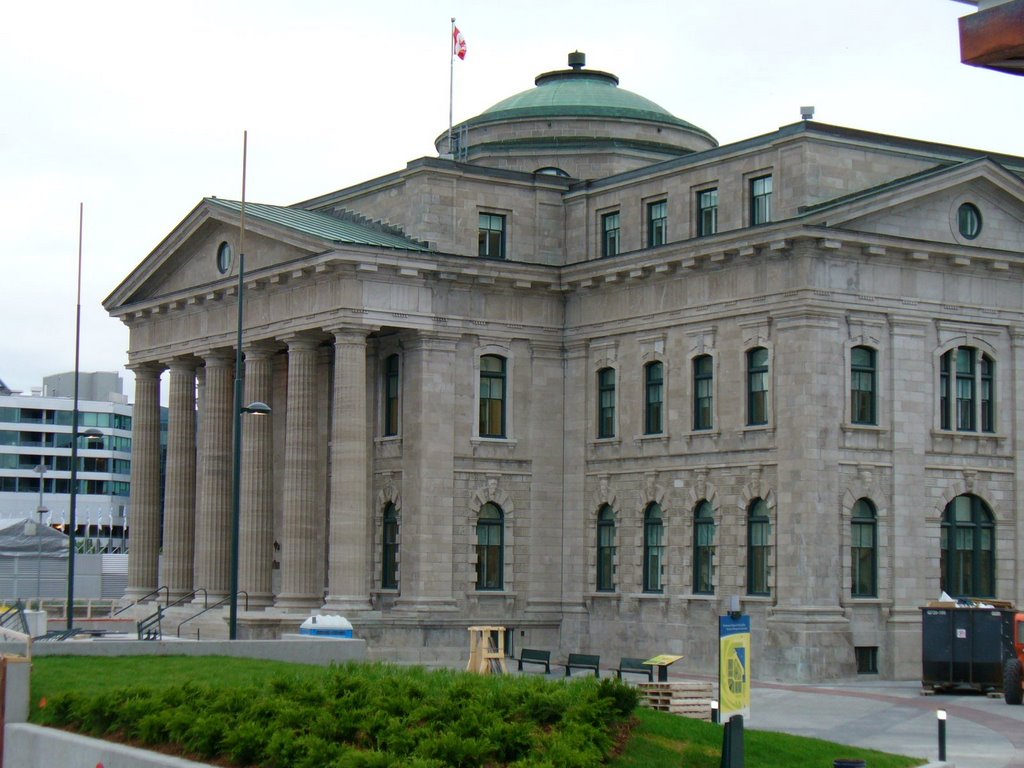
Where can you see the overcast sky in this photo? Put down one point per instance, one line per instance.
(137, 109)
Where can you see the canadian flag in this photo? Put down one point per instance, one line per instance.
(458, 43)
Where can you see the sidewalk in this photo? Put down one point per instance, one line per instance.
(981, 732)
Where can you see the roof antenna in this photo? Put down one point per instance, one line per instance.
(806, 113)
(577, 60)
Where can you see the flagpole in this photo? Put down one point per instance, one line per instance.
(451, 84)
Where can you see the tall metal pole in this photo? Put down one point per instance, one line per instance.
(41, 510)
(451, 84)
(236, 469)
(72, 509)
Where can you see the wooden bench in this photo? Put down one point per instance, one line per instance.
(532, 656)
(582, 661)
(633, 666)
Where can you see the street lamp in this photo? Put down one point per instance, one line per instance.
(91, 435)
(41, 510)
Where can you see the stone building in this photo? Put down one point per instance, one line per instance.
(589, 375)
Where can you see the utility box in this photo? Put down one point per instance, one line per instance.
(326, 626)
(963, 646)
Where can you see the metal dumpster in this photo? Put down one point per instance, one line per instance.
(963, 647)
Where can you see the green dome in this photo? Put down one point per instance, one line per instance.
(580, 93)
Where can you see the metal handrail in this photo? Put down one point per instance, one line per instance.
(14, 614)
(157, 617)
(144, 598)
(218, 604)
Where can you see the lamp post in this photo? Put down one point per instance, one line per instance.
(40, 510)
(91, 435)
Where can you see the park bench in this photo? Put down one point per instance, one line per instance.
(633, 666)
(582, 661)
(532, 656)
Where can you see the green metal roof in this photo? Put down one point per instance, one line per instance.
(579, 93)
(321, 225)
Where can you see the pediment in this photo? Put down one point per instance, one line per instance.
(926, 207)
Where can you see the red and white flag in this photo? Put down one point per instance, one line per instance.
(458, 43)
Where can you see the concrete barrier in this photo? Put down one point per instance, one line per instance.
(32, 746)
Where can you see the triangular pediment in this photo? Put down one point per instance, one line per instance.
(926, 207)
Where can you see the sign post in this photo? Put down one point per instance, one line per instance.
(734, 666)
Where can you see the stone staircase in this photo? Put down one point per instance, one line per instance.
(187, 623)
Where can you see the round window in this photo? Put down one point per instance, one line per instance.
(969, 220)
(224, 257)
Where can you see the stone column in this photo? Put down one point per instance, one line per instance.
(180, 484)
(301, 557)
(144, 507)
(428, 483)
(213, 512)
(575, 504)
(256, 536)
(348, 572)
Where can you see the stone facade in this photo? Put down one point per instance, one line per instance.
(374, 360)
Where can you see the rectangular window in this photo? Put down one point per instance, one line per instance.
(606, 403)
(867, 659)
(492, 396)
(761, 200)
(862, 386)
(988, 420)
(965, 389)
(391, 381)
(657, 224)
(707, 212)
(703, 386)
(757, 386)
(610, 234)
(654, 389)
(491, 236)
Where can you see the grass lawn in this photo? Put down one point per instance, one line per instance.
(376, 715)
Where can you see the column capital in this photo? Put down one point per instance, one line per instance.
(443, 341)
(219, 356)
(260, 350)
(147, 370)
(181, 364)
(350, 334)
(301, 340)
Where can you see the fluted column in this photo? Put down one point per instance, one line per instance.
(144, 506)
(348, 574)
(180, 490)
(301, 554)
(256, 536)
(213, 512)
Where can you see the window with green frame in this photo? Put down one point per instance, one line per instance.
(757, 386)
(864, 550)
(389, 548)
(491, 236)
(490, 548)
(759, 536)
(606, 549)
(707, 212)
(967, 561)
(703, 392)
(606, 403)
(863, 386)
(704, 549)
(657, 223)
(391, 384)
(492, 396)
(654, 393)
(966, 390)
(654, 548)
(610, 234)
(761, 200)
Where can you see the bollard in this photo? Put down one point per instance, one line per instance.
(940, 716)
(732, 743)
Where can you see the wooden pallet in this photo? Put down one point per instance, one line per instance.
(689, 699)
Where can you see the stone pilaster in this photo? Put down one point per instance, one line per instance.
(428, 493)
(213, 511)
(256, 526)
(348, 574)
(301, 557)
(144, 509)
(180, 484)
(575, 438)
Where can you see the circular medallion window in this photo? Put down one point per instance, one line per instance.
(968, 219)
(224, 257)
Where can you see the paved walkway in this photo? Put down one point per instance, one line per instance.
(981, 732)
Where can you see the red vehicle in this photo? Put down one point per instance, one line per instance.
(1014, 664)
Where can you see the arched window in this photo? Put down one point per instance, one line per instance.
(389, 549)
(654, 397)
(703, 392)
(654, 548)
(492, 396)
(391, 382)
(704, 549)
(863, 550)
(966, 393)
(490, 546)
(759, 535)
(967, 560)
(757, 386)
(606, 402)
(606, 549)
(863, 386)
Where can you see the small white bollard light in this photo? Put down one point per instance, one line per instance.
(940, 716)
(714, 710)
